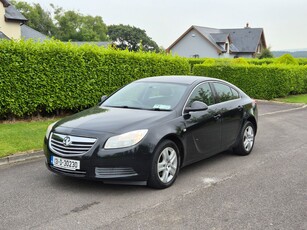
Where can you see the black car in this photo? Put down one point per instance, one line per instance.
(149, 129)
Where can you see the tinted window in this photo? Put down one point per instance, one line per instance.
(235, 93)
(225, 93)
(202, 93)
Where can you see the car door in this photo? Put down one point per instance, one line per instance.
(203, 128)
(231, 110)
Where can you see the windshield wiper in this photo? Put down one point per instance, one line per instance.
(124, 107)
(158, 109)
(131, 107)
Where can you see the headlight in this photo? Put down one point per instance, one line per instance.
(49, 129)
(126, 139)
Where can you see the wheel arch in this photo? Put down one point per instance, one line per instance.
(179, 144)
(253, 121)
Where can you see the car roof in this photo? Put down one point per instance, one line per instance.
(188, 80)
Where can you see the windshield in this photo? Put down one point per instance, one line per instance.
(147, 95)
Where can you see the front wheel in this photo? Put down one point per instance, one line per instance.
(246, 140)
(165, 165)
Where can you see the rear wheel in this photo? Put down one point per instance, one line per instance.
(246, 140)
(165, 165)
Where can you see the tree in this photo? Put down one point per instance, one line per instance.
(64, 25)
(74, 26)
(131, 38)
(38, 18)
(265, 53)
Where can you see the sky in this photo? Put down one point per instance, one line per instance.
(284, 21)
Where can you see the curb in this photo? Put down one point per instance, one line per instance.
(21, 157)
(280, 102)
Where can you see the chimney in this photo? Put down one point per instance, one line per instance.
(247, 25)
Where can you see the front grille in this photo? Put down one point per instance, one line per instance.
(114, 172)
(68, 172)
(70, 145)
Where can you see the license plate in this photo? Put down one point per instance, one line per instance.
(65, 163)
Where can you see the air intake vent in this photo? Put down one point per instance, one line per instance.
(114, 172)
(70, 145)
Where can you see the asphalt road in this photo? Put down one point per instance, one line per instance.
(266, 190)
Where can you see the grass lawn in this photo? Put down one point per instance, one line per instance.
(302, 98)
(22, 136)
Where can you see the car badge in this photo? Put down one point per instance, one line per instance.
(67, 141)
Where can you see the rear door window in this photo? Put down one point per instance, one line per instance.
(225, 92)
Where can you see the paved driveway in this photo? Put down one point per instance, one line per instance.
(266, 190)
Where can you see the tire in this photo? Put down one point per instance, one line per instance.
(165, 165)
(246, 140)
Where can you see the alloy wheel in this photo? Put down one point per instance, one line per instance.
(167, 165)
(248, 138)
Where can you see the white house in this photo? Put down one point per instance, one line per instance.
(200, 41)
(12, 24)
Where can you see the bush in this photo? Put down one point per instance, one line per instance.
(302, 61)
(264, 61)
(194, 61)
(286, 59)
(265, 53)
(54, 76)
(262, 82)
(239, 61)
(209, 61)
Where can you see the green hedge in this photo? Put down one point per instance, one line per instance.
(264, 61)
(302, 61)
(194, 61)
(261, 82)
(268, 61)
(54, 76)
(252, 61)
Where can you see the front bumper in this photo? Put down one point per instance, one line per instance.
(127, 164)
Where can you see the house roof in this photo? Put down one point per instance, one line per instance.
(204, 33)
(11, 13)
(207, 33)
(241, 40)
(29, 33)
(5, 3)
(219, 37)
(246, 39)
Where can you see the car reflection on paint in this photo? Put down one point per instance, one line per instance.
(149, 129)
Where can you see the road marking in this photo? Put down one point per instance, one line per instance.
(283, 111)
(210, 181)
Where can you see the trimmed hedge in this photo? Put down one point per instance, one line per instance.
(302, 61)
(261, 82)
(55, 76)
(264, 61)
(252, 61)
(194, 61)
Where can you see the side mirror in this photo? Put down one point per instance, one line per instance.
(102, 99)
(196, 106)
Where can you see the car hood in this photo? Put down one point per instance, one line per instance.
(114, 120)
